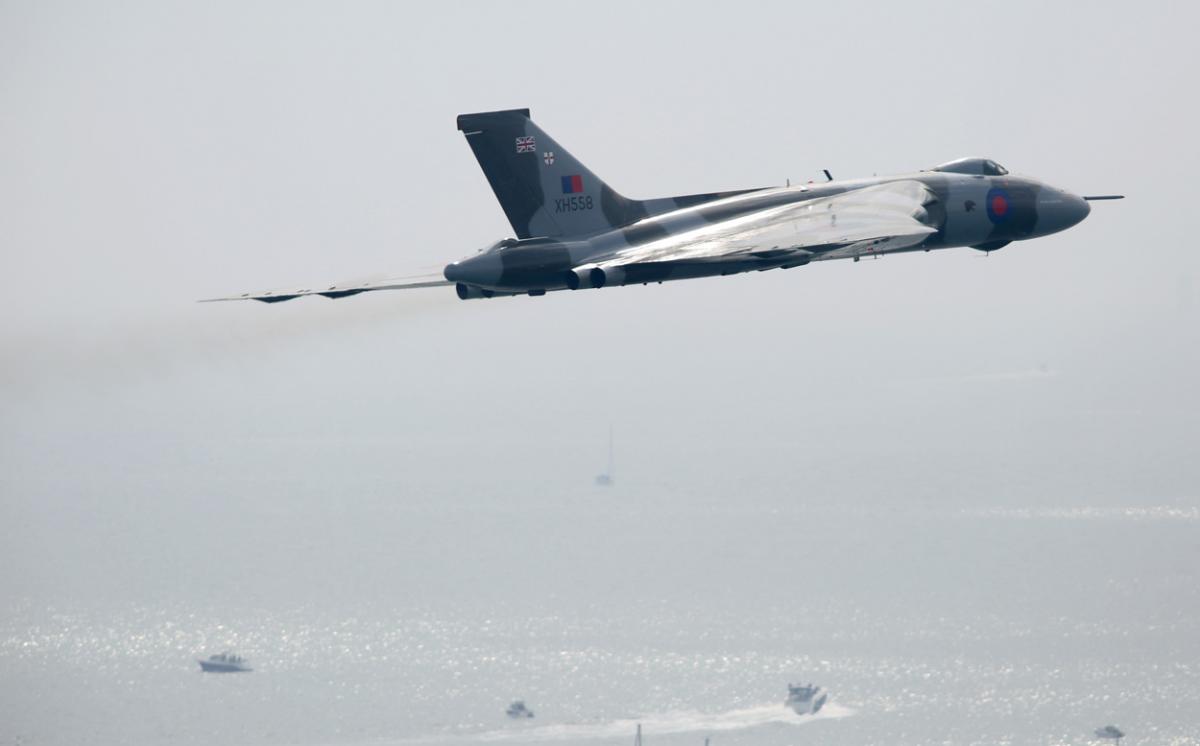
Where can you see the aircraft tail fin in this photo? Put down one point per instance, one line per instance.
(542, 188)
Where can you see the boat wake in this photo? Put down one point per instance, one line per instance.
(665, 723)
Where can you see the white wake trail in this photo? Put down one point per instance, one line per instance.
(664, 723)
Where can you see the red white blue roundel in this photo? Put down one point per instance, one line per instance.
(999, 206)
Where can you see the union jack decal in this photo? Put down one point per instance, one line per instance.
(526, 144)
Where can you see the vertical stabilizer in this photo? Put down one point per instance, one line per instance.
(542, 188)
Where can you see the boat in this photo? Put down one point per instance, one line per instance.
(1111, 732)
(806, 699)
(225, 663)
(517, 710)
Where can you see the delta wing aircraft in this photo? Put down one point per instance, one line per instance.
(573, 231)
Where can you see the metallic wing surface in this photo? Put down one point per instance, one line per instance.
(885, 216)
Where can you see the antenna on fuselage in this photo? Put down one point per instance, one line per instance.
(828, 176)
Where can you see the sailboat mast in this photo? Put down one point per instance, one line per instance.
(610, 451)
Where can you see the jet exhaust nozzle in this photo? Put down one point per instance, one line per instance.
(577, 278)
(466, 292)
(585, 277)
(601, 277)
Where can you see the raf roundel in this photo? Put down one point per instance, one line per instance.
(998, 205)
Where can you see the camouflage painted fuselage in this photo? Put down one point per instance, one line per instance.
(574, 231)
(985, 212)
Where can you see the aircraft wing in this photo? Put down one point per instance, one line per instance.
(874, 219)
(340, 290)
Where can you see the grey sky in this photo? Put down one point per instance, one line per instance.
(155, 153)
(158, 153)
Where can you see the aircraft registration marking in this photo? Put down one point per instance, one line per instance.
(574, 204)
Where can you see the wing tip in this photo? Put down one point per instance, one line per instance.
(332, 291)
(264, 298)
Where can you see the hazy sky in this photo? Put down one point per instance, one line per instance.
(156, 153)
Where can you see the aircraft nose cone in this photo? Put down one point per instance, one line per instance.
(453, 272)
(1077, 209)
(1059, 210)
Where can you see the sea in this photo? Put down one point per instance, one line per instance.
(924, 625)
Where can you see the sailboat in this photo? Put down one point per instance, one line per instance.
(606, 479)
(637, 738)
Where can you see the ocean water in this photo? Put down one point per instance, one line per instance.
(926, 625)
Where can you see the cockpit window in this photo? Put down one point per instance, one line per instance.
(973, 167)
(500, 245)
